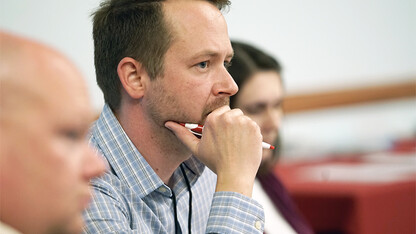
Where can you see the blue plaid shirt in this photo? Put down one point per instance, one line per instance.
(131, 198)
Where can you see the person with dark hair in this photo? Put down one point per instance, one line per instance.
(160, 64)
(45, 160)
(258, 75)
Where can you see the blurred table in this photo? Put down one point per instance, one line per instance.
(372, 194)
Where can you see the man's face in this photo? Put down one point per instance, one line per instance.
(260, 98)
(195, 80)
(47, 161)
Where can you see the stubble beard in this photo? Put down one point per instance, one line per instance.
(162, 107)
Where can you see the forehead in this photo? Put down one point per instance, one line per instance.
(66, 96)
(197, 26)
(53, 90)
(40, 87)
(262, 86)
(40, 112)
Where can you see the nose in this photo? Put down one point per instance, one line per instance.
(225, 84)
(94, 164)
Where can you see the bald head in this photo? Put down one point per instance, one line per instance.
(30, 73)
(44, 117)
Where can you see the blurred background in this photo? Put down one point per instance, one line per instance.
(349, 69)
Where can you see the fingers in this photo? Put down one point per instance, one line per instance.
(227, 113)
(184, 135)
(223, 114)
(230, 147)
(225, 118)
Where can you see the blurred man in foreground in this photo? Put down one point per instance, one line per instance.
(45, 161)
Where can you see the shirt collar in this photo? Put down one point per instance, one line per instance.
(126, 161)
(195, 166)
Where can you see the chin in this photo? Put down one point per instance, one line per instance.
(72, 226)
(76, 225)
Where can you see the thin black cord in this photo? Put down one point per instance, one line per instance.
(190, 199)
(177, 226)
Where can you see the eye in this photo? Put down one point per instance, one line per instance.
(278, 105)
(227, 64)
(255, 109)
(72, 134)
(203, 65)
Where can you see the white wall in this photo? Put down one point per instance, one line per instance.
(65, 25)
(322, 44)
(326, 44)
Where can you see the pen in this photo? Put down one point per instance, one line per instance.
(197, 130)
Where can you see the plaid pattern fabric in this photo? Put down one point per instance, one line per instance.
(131, 198)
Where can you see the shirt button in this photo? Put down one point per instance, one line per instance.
(257, 225)
(162, 189)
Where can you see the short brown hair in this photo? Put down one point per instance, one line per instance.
(130, 28)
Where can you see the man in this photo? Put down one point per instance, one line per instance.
(45, 160)
(160, 63)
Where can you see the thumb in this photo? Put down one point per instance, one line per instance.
(184, 135)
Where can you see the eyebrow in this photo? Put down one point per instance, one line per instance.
(210, 53)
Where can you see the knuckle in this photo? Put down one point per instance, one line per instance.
(237, 111)
(228, 119)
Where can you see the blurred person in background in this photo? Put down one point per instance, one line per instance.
(45, 160)
(260, 97)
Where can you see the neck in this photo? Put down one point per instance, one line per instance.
(157, 144)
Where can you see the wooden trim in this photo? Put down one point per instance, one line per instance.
(326, 99)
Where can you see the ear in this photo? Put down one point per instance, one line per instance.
(132, 76)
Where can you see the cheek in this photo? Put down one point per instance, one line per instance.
(47, 168)
(62, 164)
(194, 93)
(184, 102)
(54, 175)
(68, 155)
(67, 182)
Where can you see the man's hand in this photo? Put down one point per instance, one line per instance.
(230, 146)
